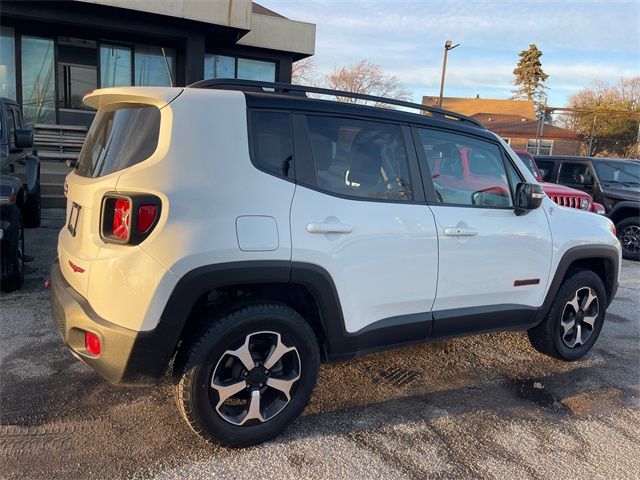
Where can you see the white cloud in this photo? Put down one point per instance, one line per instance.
(582, 40)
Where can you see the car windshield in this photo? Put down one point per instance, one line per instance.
(618, 171)
(528, 162)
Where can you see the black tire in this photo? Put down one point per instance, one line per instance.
(629, 235)
(12, 250)
(198, 400)
(32, 209)
(547, 336)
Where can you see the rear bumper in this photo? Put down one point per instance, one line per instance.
(127, 357)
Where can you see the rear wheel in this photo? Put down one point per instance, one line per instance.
(248, 375)
(574, 320)
(12, 250)
(629, 236)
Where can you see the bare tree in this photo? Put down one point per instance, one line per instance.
(303, 72)
(613, 133)
(367, 78)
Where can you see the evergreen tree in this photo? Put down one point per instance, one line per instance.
(530, 78)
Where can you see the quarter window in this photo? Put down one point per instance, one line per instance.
(360, 159)
(272, 142)
(465, 170)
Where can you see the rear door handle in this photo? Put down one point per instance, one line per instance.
(460, 232)
(329, 228)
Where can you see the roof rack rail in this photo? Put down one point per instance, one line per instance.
(278, 87)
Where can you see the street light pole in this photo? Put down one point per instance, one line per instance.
(447, 46)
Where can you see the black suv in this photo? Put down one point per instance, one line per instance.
(20, 202)
(613, 182)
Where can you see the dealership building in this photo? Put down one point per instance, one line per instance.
(52, 53)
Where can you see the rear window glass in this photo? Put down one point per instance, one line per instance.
(119, 138)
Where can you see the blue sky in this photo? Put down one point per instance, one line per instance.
(581, 40)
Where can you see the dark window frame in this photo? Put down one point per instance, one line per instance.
(307, 170)
(429, 188)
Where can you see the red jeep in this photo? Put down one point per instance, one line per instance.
(562, 195)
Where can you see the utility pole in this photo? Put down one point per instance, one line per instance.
(447, 46)
(593, 129)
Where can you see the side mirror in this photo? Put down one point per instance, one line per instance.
(24, 138)
(585, 179)
(528, 197)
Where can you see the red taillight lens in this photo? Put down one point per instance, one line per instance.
(92, 343)
(121, 218)
(127, 219)
(146, 217)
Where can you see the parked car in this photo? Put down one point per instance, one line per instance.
(561, 194)
(20, 202)
(613, 182)
(244, 233)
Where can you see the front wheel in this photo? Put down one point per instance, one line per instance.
(248, 375)
(574, 320)
(629, 236)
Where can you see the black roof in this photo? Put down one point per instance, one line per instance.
(293, 97)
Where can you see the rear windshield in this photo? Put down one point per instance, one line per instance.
(119, 137)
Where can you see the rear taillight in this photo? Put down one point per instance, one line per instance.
(129, 219)
(121, 218)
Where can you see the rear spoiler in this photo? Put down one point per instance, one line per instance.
(158, 96)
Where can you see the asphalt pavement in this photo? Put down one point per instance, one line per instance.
(479, 407)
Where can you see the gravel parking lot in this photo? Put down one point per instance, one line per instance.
(486, 406)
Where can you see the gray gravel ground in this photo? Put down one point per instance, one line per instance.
(479, 407)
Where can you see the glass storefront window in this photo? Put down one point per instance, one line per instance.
(115, 66)
(7, 63)
(256, 70)
(38, 80)
(155, 66)
(74, 81)
(219, 66)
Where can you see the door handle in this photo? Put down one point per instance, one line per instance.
(460, 232)
(329, 228)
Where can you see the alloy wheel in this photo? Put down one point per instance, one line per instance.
(255, 381)
(630, 239)
(579, 317)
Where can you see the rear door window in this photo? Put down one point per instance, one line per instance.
(120, 136)
(360, 159)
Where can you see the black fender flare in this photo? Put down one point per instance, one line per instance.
(625, 204)
(582, 252)
(157, 347)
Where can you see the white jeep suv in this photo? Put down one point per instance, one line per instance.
(239, 233)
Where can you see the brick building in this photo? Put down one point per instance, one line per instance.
(516, 122)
